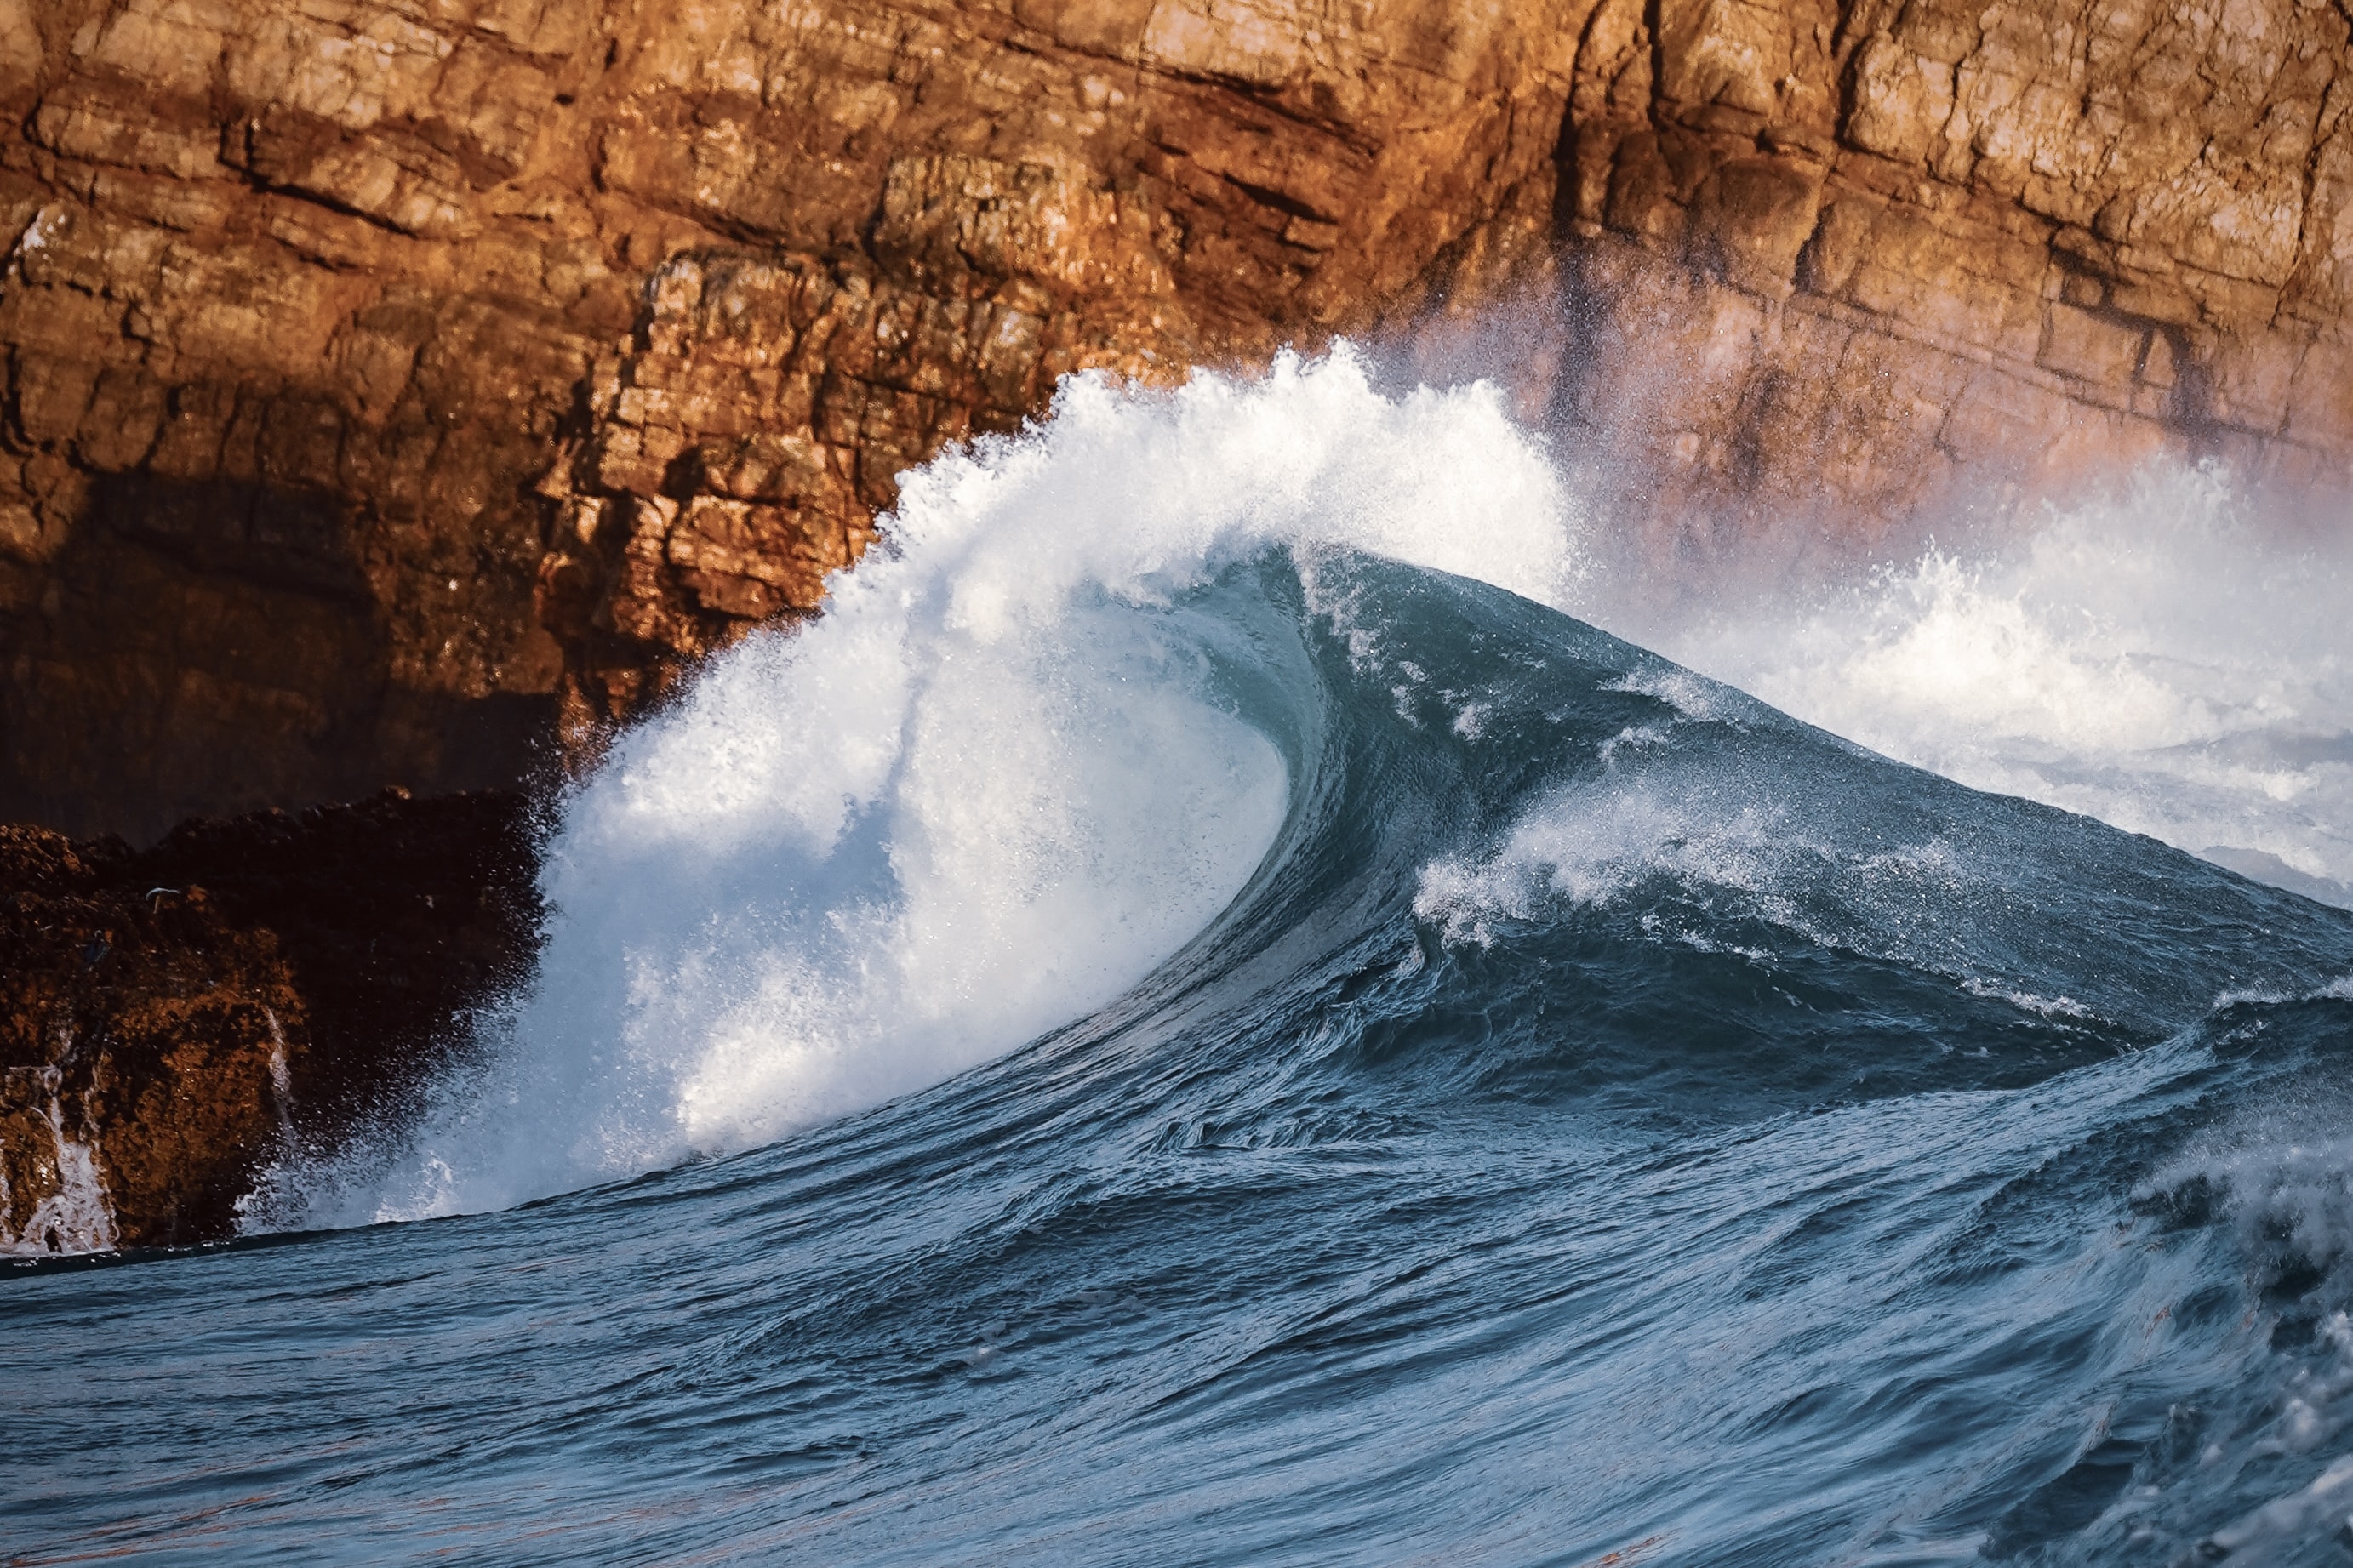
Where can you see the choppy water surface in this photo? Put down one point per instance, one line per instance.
(1201, 1018)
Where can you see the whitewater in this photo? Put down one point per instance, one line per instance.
(1263, 988)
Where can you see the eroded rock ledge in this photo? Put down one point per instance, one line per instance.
(385, 381)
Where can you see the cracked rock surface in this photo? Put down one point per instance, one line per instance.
(393, 387)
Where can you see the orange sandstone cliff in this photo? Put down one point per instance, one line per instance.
(391, 385)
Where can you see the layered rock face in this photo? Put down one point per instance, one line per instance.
(1930, 242)
(388, 382)
(351, 348)
(173, 1022)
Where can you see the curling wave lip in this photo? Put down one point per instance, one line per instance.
(987, 793)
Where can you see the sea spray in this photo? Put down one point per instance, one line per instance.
(2162, 653)
(992, 787)
(73, 1216)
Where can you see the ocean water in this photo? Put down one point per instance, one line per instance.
(1250, 996)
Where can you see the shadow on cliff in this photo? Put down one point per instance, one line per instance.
(203, 648)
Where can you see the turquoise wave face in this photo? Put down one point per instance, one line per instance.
(1607, 1117)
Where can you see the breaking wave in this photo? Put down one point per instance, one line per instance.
(1013, 769)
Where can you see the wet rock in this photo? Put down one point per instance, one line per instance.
(174, 1021)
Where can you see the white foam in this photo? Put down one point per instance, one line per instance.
(1710, 834)
(2312, 1513)
(2164, 658)
(2282, 1177)
(2288, 1189)
(1592, 843)
(989, 790)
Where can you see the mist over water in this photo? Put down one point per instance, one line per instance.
(1213, 1011)
(2166, 653)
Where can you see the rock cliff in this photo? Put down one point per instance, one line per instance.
(1927, 241)
(389, 380)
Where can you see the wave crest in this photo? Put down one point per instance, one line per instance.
(1004, 778)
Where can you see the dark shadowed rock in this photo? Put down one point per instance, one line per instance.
(174, 1021)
